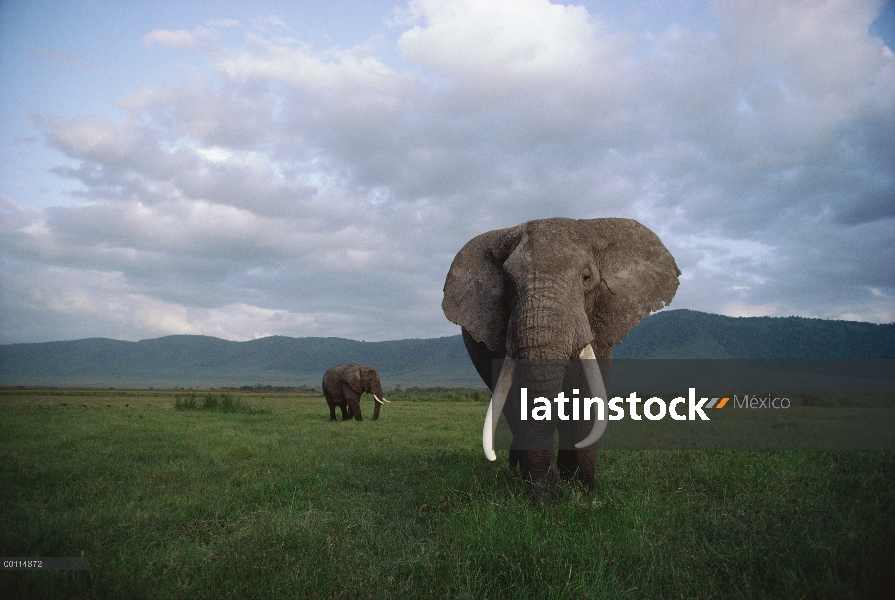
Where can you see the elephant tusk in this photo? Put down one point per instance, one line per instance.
(595, 381)
(495, 407)
(376, 398)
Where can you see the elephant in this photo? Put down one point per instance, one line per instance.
(553, 290)
(343, 386)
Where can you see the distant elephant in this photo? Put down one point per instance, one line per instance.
(343, 386)
(553, 289)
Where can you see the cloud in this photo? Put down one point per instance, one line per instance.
(199, 39)
(497, 46)
(223, 23)
(96, 139)
(299, 191)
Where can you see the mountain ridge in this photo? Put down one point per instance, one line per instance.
(206, 361)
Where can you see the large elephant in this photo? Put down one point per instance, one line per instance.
(343, 386)
(555, 289)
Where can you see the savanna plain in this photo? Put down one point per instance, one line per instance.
(260, 495)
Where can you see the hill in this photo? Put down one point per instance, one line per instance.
(202, 361)
(691, 334)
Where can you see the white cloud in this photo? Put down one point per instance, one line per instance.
(196, 40)
(223, 23)
(489, 45)
(96, 138)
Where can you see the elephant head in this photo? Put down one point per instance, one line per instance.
(555, 289)
(364, 379)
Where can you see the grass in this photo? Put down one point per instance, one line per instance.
(274, 500)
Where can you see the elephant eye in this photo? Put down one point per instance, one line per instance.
(587, 275)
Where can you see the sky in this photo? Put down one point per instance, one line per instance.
(246, 169)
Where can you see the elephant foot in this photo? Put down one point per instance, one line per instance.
(586, 480)
(576, 473)
(544, 494)
(515, 460)
(542, 482)
(578, 465)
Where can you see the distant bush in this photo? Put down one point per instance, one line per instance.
(440, 395)
(186, 401)
(273, 388)
(221, 402)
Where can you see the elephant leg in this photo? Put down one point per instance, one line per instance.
(572, 462)
(587, 463)
(329, 402)
(578, 464)
(516, 459)
(567, 463)
(511, 414)
(354, 408)
(539, 468)
(541, 474)
(346, 414)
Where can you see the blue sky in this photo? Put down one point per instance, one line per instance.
(247, 169)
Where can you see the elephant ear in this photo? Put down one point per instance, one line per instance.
(352, 378)
(368, 376)
(475, 295)
(638, 276)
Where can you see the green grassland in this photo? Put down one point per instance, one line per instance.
(269, 499)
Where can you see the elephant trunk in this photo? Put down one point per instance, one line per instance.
(376, 408)
(545, 330)
(376, 391)
(547, 324)
(541, 384)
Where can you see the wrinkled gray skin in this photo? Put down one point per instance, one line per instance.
(343, 386)
(545, 289)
